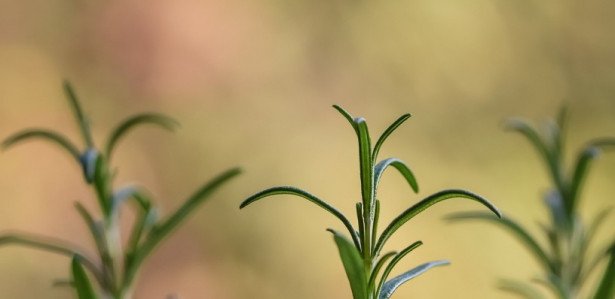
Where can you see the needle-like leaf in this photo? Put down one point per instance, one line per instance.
(97, 233)
(532, 135)
(81, 281)
(520, 288)
(523, 127)
(387, 133)
(606, 288)
(120, 131)
(398, 257)
(400, 166)
(54, 137)
(84, 125)
(582, 165)
(50, 245)
(426, 203)
(300, 193)
(515, 228)
(346, 115)
(353, 264)
(374, 276)
(390, 286)
(365, 163)
(160, 232)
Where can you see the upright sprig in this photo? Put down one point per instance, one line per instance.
(118, 259)
(566, 259)
(367, 269)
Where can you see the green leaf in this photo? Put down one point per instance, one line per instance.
(160, 232)
(426, 203)
(84, 125)
(387, 133)
(81, 281)
(523, 127)
(557, 208)
(520, 288)
(346, 115)
(597, 221)
(54, 137)
(365, 162)
(145, 221)
(606, 288)
(401, 167)
(147, 118)
(49, 245)
(398, 257)
(559, 288)
(532, 135)
(353, 264)
(102, 186)
(374, 275)
(582, 166)
(390, 286)
(96, 230)
(517, 230)
(367, 180)
(308, 196)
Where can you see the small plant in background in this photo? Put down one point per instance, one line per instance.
(367, 269)
(566, 261)
(118, 261)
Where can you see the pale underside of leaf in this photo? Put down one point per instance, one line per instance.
(390, 286)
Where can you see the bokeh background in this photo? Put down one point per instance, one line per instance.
(252, 83)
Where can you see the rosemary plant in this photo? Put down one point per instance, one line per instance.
(118, 261)
(367, 268)
(566, 261)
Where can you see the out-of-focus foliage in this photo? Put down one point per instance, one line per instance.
(567, 260)
(118, 258)
(252, 83)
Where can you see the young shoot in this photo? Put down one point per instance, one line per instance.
(361, 249)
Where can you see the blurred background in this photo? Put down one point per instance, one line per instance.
(252, 83)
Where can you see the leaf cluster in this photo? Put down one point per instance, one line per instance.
(368, 270)
(117, 261)
(566, 260)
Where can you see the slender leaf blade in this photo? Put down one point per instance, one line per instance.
(50, 245)
(346, 115)
(365, 162)
(521, 233)
(303, 194)
(374, 275)
(520, 288)
(398, 257)
(48, 135)
(127, 125)
(606, 288)
(83, 122)
(82, 283)
(401, 167)
(160, 232)
(584, 159)
(353, 264)
(523, 127)
(390, 286)
(387, 133)
(426, 203)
